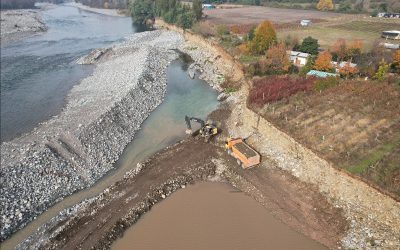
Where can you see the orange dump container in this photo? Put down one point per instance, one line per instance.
(246, 155)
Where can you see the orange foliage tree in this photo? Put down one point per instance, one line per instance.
(325, 5)
(264, 37)
(244, 48)
(277, 59)
(396, 61)
(347, 70)
(340, 48)
(323, 61)
(355, 48)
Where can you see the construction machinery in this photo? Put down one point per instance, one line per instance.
(207, 129)
(245, 156)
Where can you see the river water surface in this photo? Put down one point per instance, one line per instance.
(38, 72)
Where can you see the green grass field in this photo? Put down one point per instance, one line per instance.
(366, 31)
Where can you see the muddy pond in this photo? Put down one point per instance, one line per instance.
(211, 215)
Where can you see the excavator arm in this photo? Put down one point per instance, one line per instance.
(189, 126)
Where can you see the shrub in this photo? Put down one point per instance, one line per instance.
(222, 30)
(204, 28)
(383, 69)
(325, 83)
(275, 88)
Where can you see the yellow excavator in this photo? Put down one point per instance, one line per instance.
(207, 129)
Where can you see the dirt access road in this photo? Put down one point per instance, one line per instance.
(297, 204)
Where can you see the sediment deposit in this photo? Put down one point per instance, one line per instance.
(17, 24)
(74, 149)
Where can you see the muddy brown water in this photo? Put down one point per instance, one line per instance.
(211, 215)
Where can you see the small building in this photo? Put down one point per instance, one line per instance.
(390, 45)
(298, 58)
(305, 22)
(208, 6)
(321, 74)
(388, 15)
(342, 64)
(391, 34)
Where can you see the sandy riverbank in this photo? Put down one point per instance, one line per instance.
(74, 149)
(19, 24)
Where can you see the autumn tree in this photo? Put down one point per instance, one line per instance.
(325, 5)
(396, 61)
(340, 49)
(309, 45)
(354, 48)
(347, 70)
(264, 37)
(277, 59)
(324, 61)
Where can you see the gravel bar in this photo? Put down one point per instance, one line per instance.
(72, 150)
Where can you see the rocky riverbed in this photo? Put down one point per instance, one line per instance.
(17, 24)
(74, 149)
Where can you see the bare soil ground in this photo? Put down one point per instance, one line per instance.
(297, 204)
(257, 14)
(355, 125)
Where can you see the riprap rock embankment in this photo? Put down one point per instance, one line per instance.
(74, 149)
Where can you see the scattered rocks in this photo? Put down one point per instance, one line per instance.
(77, 147)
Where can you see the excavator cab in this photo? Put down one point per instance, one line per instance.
(207, 130)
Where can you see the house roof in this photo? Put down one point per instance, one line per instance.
(320, 73)
(299, 54)
(342, 64)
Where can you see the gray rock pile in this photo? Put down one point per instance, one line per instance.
(73, 150)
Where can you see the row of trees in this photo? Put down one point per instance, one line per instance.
(172, 11)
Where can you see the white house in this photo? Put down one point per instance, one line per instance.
(298, 58)
(391, 34)
(342, 64)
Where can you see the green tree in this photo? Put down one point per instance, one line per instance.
(309, 45)
(383, 69)
(142, 10)
(250, 36)
(197, 9)
(264, 37)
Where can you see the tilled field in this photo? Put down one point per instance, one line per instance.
(354, 125)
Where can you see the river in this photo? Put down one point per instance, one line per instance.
(38, 72)
(164, 126)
